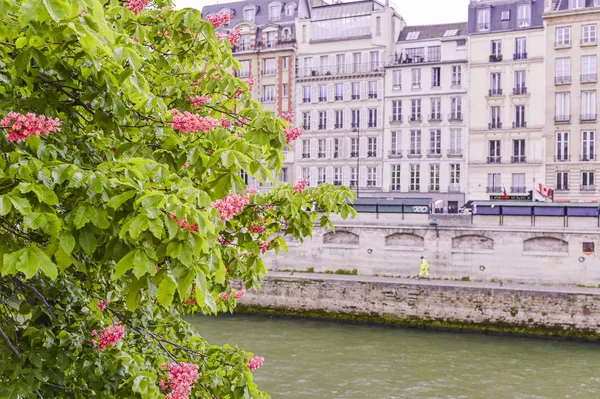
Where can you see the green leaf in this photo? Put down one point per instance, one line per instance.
(117, 201)
(126, 263)
(82, 215)
(28, 261)
(88, 241)
(21, 204)
(30, 10)
(166, 290)
(21, 42)
(5, 205)
(58, 9)
(134, 294)
(67, 241)
(143, 265)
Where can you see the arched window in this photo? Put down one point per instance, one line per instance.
(290, 9)
(286, 34)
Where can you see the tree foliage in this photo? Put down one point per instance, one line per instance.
(112, 221)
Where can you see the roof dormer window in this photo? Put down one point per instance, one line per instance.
(275, 11)
(412, 35)
(249, 13)
(291, 8)
(575, 4)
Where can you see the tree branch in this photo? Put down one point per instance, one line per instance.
(39, 296)
(10, 345)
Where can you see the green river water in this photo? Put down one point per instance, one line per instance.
(326, 360)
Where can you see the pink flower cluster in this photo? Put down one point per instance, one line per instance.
(225, 242)
(184, 223)
(180, 380)
(263, 246)
(219, 19)
(22, 126)
(109, 337)
(250, 82)
(257, 229)
(231, 205)
(255, 362)
(239, 294)
(198, 101)
(102, 304)
(234, 36)
(224, 296)
(225, 123)
(288, 116)
(293, 133)
(192, 123)
(137, 6)
(301, 185)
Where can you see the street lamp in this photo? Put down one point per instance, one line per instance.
(355, 130)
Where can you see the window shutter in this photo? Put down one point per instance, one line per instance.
(347, 91)
(329, 148)
(379, 147)
(363, 147)
(379, 118)
(298, 175)
(299, 94)
(378, 176)
(329, 175)
(380, 89)
(313, 176)
(313, 148)
(347, 147)
(346, 175)
(330, 92)
(315, 94)
(363, 90)
(346, 114)
(363, 176)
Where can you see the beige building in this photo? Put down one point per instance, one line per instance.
(507, 98)
(571, 110)
(426, 128)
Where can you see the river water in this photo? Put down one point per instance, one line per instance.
(326, 360)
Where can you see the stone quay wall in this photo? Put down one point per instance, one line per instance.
(514, 309)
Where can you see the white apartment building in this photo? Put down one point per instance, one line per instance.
(340, 93)
(507, 98)
(426, 126)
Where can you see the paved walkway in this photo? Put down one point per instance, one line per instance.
(567, 289)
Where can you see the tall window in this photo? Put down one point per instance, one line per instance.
(563, 36)
(356, 61)
(372, 112)
(244, 71)
(589, 34)
(416, 78)
(483, 19)
(456, 75)
(495, 84)
(308, 68)
(588, 68)
(395, 183)
(588, 105)
(274, 12)
(415, 142)
(434, 177)
(339, 119)
(518, 183)
(305, 149)
(285, 89)
(520, 83)
(436, 74)
(372, 89)
(562, 146)
(497, 48)
(456, 108)
(269, 66)
(574, 4)
(397, 80)
(496, 121)
(353, 147)
(415, 113)
(353, 177)
(587, 181)
(588, 145)
(563, 107)
(322, 93)
(520, 116)
(455, 142)
(415, 177)
(271, 36)
(494, 183)
(378, 26)
(395, 144)
(324, 63)
(434, 53)
(520, 48)
(371, 177)
(336, 148)
(306, 120)
(322, 148)
(563, 70)
(355, 114)
(494, 154)
(435, 142)
(455, 174)
(518, 155)
(306, 94)
(322, 120)
(322, 175)
(340, 61)
(245, 42)
(524, 15)
(436, 108)
(372, 147)
(396, 110)
(355, 90)
(562, 181)
(285, 63)
(374, 60)
(339, 91)
(268, 93)
(249, 14)
(337, 176)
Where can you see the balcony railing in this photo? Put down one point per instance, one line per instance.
(243, 74)
(305, 155)
(495, 57)
(415, 118)
(337, 182)
(587, 157)
(398, 59)
(562, 118)
(565, 43)
(341, 69)
(454, 188)
(589, 78)
(339, 98)
(455, 116)
(353, 154)
(435, 117)
(397, 87)
(518, 159)
(495, 125)
(434, 187)
(519, 124)
(306, 127)
(338, 125)
(416, 85)
(562, 187)
(455, 152)
(372, 95)
(494, 159)
(396, 119)
(562, 158)
(518, 189)
(371, 183)
(434, 153)
(355, 96)
(519, 90)
(494, 189)
(371, 154)
(321, 155)
(589, 41)
(483, 26)
(267, 99)
(588, 117)
(372, 124)
(562, 80)
(416, 153)
(355, 124)
(495, 92)
(395, 154)
(588, 187)
(268, 72)
(520, 56)
(414, 188)
(394, 187)
(306, 99)
(322, 99)
(524, 22)
(322, 126)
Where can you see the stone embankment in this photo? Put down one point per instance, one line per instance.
(532, 310)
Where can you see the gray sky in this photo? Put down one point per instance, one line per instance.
(415, 12)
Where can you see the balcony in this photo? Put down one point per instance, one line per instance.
(321, 155)
(589, 78)
(339, 98)
(395, 187)
(371, 154)
(587, 187)
(520, 124)
(337, 182)
(322, 126)
(371, 183)
(520, 56)
(322, 99)
(268, 72)
(454, 188)
(494, 92)
(396, 87)
(495, 125)
(267, 99)
(372, 95)
(518, 159)
(494, 189)
(483, 26)
(495, 57)
(355, 124)
(395, 154)
(563, 44)
(587, 157)
(494, 159)
(562, 118)
(243, 74)
(306, 99)
(519, 90)
(434, 153)
(455, 116)
(588, 117)
(372, 124)
(353, 154)
(518, 190)
(562, 80)
(355, 96)
(415, 118)
(398, 59)
(435, 117)
(434, 187)
(562, 158)
(338, 126)
(306, 127)
(414, 153)
(455, 153)
(396, 119)
(305, 155)
(336, 154)
(353, 183)
(524, 22)
(340, 69)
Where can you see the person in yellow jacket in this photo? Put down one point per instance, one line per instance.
(424, 268)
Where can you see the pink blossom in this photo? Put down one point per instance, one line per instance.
(263, 246)
(219, 19)
(186, 165)
(22, 126)
(288, 116)
(250, 81)
(231, 205)
(255, 362)
(234, 36)
(192, 123)
(181, 378)
(110, 336)
(198, 101)
(257, 229)
(224, 296)
(251, 191)
(301, 185)
(293, 133)
(184, 223)
(102, 304)
(225, 123)
(239, 294)
(137, 6)
(225, 242)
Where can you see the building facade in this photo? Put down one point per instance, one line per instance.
(571, 88)
(426, 128)
(507, 98)
(341, 55)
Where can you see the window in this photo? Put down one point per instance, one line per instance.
(588, 69)
(353, 147)
(371, 177)
(434, 53)
(450, 32)
(520, 83)
(340, 61)
(494, 154)
(303, 33)
(372, 89)
(415, 54)
(378, 26)
(289, 10)
(497, 49)
(518, 183)
(494, 183)
(269, 66)
(271, 39)
(563, 36)
(321, 148)
(563, 70)
(285, 63)
(455, 142)
(339, 119)
(412, 35)
(322, 93)
(587, 181)
(244, 176)
(455, 173)
(372, 112)
(524, 15)
(435, 76)
(483, 19)
(434, 177)
(495, 84)
(395, 183)
(562, 181)
(589, 34)
(306, 120)
(518, 155)
(372, 147)
(415, 114)
(284, 175)
(505, 15)
(588, 145)
(269, 93)
(336, 148)
(574, 4)
(244, 71)
(562, 146)
(285, 90)
(355, 90)
(353, 177)
(395, 147)
(245, 43)
(305, 149)
(588, 105)
(435, 142)
(397, 110)
(355, 114)
(563, 107)
(520, 116)
(249, 14)
(306, 92)
(520, 48)
(321, 175)
(415, 142)
(339, 91)
(436, 108)
(356, 61)
(308, 69)
(324, 64)
(274, 12)
(416, 78)
(456, 108)
(374, 60)
(322, 120)
(495, 122)
(456, 75)
(397, 80)
(415, 177)
(337, 176)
